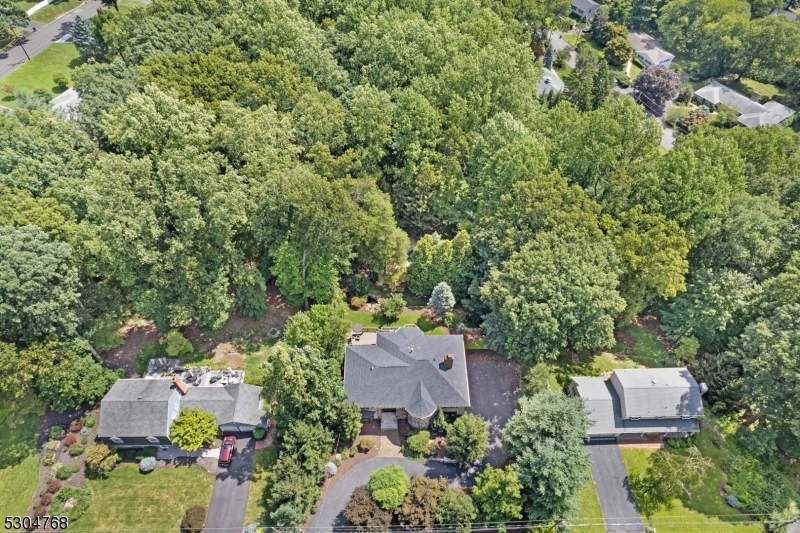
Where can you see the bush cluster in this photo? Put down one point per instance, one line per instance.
(358, 286)
(194, 519)
(259, 434)
(77, 449)
(366, 444)
(81, 499)
(89, 422)
(148, 464)
(85, 431)
(55, 432)
(417, 441)
(71, 439)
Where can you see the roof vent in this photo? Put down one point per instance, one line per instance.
(180, 385)
(138, 397)
(654, 382)
(448, 360)
(372, 368)
(411, 350)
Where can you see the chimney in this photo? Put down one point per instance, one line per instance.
(448, 360)
(180, 385)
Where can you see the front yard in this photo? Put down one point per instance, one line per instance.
(263, 461)
(58, 58)
(19, 462)
(128, 499)
(590, 511)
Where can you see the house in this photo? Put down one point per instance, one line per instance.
(784, 13)
(404, 374)
(584, 9)
(549, 83)
(640, 401)
(139, 412)
(751, 113)
(649, 49)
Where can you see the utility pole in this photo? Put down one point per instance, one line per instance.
(20, 43)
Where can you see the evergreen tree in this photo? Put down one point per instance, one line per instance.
(83, 37)
(548, 57)
(442, 300)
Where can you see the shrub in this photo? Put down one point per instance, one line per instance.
(417, 441)
(84, 440)
(44, 94)
(62, 471)
(55, 432)
(45, 498)
(675, 114)
(468, 438)
(259, 434)
(450, 320)
(623, 79)
(354, 451)
(80, 498)
(85, 431)
(54, 486)
(561, 58)
(331, 468)
(52, 445)
(9, 89)
(148, 464)
(456, 508)
(356, 302)
(76, 426)
(362, 511)
(685, 93)
(439, 422)
(732, 500)
(366, 444)
(60, 80)
(358, 286)
(89, 422)
(176, 345)
(193, 428)
(393, 306)
(419, 506)
(49, 459)
(536, 380)
(77, 449)
(148, 351)
(345, 454)
(100, 459)
(194, 519)
(388, 486)
(337, 462)
(70, 439)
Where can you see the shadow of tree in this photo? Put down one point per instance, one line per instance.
(19, 431)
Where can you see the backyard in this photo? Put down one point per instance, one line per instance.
(58, 58)
(127, 497)
(19, 462)
(375, 320)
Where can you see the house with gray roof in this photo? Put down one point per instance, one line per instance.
(751, 113)
(584, 9)
(649, 49)
(139, 412)
(785, 13)
(640, 401)
(407, 373)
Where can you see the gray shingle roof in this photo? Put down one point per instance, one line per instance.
(645, 44)
(717, 93)
(585, 5)
(603, 406)
(652, 392)
(406, 369)
(122, 414)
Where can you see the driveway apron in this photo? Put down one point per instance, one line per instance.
(613, 488)
(229, 499)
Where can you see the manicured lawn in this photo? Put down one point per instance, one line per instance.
(635, 70)
(563, 72)
(51, 12)
(647, 351)
(126, 6)
(263, 462)
(25, 4)
(597, 365)
(19, 463)
(374, 320)
(128, 499)
(590, 512)
(695, 515)
(477, 344)
(38, 72)
(576, 40)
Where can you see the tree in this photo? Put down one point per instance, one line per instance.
(587, 84)
(286, 519)
(536, 380)
(393, 306)
(11, 16)
(599, 21)
(498, 494)
(194, 520)
(101, 86)
(308, 445)
(442, 300)
(292, 486)
(668, 475)
(657, 84)
(618, 51)
(323, 327)
(611, 31)
(81, 381)
(696, 117)
(110, 3)
(436, 260)
(388, 486)
(99, 459)
(456, 510)
(418, 509)
(251, 291)
(468, 438)
(362, 511)
(544, 440)
(193, 428)
(38, 285)
(84, 39)
(549, 55)
(529, 322)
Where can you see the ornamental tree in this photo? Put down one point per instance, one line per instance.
(442, 300)
(393, 306)
(498, 494)
(657, 84)
(193, 428)
(418, 509)
(618, 51)
(468, 437)
(456, 508)
(362, 511)
(388, 486)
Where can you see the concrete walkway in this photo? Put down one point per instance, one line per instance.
(613, 488)
(229, 499)
(330, 513)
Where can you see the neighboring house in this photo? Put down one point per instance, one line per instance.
(751, 113)
(584, 9)
(649, 49)
(549, 83)
(640, 401)
(788, 14)
(407, 373)
(139, 412)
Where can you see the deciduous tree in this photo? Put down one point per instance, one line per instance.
(193, 428)
(657, 84)
(498, 494)
(468, 438)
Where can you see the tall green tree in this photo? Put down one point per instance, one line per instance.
(498, 494)
(435, 260)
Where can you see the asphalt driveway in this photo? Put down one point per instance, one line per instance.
(492, 382)
(229, 499)
(330, 513)
(613, 488)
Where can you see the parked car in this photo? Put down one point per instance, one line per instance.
(227, 451)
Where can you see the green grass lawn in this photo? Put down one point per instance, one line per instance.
(38, 72)
(25, 4)
(563, 72)
(19, 463)
(576, 40)
(590, 511)
(701, 513)
(128, 499)
(126, 6)
(647, 351)
(374, 320)
(263, 462)
(477, 344)
(564, 369)
(635, 70)
(48, 14)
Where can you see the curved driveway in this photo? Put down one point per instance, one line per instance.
(330, 514)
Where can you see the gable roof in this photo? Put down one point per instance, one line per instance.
(656, 392)
(124, 414)
(406, 369)
(643, 44)
(717, 93)
(585, 5)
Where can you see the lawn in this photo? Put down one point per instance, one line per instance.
(477, 344)
(647, 351)
(564, 369)
(25, 4)
(563, 72)
(576, 40)
(635, 70)
(128, 499)
(49, 13)
(590, 511)
(19, 463)
(375, 320)
(696, 515)
(38, 72)
(263, 462)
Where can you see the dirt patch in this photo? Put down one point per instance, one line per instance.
(137, 333)
(226, 354)
(652, 324)
(485, 356)
(623, 337)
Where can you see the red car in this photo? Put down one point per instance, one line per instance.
(227, 451)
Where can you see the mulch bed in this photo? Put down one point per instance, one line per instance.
(487, 356)
(623, 337)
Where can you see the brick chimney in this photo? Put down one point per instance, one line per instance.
(180, 385)
(448, 360)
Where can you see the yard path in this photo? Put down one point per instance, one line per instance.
(613, 488)
(229, 499)
(330, 513)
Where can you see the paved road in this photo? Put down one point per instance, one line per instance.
(330, 514)
(613, 488)
(229, 499)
